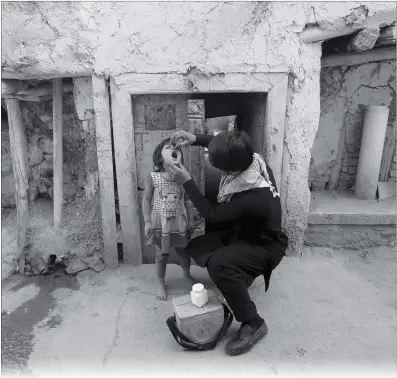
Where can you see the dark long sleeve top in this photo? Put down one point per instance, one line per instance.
(255, 214)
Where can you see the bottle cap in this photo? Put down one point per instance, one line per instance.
(198, 287)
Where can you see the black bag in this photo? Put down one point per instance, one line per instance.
(185, 342)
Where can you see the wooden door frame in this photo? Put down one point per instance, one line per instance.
(127, 85)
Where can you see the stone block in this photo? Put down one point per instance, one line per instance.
(393, 174)
(352, 170)
(394, 158)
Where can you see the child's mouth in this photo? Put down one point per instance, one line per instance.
(174, 155)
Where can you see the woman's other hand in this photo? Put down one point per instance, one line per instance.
(179, 173)
(182, 138)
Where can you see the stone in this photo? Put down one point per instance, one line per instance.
(48, 157)
(44, 169)
(95, 263)
(33, 193)
(45, 144)
(394, 158)
(35, 156)
(352, 170)
(75, 266)
(393, 174)
(69, 191)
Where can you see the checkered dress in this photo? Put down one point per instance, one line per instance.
(169, 217)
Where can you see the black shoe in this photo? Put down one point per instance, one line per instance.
(245, 339)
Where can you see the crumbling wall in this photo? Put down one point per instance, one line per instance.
(345, 93)
(215, 38)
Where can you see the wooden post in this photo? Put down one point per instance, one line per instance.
(127, 182)
(105, 170)
(58, 151)
(19, 154)
(196, 126)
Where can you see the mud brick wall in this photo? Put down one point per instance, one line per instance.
(345, 94)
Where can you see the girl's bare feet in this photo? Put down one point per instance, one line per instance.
(162, 291)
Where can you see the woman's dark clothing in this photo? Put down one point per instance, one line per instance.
(245, 241)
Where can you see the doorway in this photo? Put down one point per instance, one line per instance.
(156, 117)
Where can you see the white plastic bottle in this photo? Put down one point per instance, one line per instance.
(199, 295)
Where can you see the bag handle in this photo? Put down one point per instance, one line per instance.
(185, 342)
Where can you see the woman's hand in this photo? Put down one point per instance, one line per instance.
(182, 138)
(178, 173)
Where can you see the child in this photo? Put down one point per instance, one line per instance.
(168, 214)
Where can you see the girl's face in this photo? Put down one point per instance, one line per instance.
(170, 154)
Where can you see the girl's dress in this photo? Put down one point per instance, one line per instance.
(169, 217)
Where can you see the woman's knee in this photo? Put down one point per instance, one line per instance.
(215, 266)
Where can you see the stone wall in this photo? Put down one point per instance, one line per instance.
(345, 93)
(215, 38)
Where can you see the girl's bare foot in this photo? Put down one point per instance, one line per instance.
(162, 291)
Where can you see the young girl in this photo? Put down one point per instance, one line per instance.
(167, 213)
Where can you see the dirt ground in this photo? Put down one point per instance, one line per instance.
(327, 312)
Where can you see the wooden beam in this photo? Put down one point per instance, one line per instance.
(58, 152)
(105, 170)
(44, 76)
(20, 165)
(350, 59)
(127, 182)
(387, 36)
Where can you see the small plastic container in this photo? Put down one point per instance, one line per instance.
(199, 324)
(199, 295)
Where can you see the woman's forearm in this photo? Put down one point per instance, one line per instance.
(202, 140)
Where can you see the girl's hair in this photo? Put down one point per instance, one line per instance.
(157, 158)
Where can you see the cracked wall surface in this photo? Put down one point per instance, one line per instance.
(208, 38)
(345, 93)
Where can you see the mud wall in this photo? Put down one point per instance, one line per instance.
(345, 93)
(215, 38)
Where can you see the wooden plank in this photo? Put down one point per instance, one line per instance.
(274, 130)
(127, 183)
(350, 59)
(388, 150)
(58, 152)
(105, 170)
(20, 165)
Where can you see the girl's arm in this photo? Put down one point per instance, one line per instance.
(147, 200)
(189, 209)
